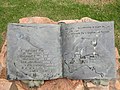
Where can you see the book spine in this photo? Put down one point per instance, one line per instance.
(61, 42)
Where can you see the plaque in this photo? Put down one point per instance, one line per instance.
(50, 51)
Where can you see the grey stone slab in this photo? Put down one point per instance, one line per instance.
(33, 52)
(89, 50)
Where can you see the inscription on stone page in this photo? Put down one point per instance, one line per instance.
(48, 51)
(88, 50)
(33, 52)
(32, 59)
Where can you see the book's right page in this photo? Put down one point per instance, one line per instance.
(88, 50)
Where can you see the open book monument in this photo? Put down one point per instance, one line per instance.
(49, 51)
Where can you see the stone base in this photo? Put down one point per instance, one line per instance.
(58, 84)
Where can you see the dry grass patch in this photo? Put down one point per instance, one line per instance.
(95, 2)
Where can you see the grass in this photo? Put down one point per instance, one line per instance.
(13, 10)
(100, 2)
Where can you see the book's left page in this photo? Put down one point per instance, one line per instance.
(33, 52)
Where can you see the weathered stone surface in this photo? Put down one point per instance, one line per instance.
(85, 57)
(117, 59)
(42, 20)
(3, 60)
(94, 87)
(34, 52)
(3, 54)
(76, 82)
(22, 86)
(88, 50)
(5, 84)
(60, 84)
(85, 19)
(117, 84)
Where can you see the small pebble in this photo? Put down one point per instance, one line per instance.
(36, 83)
(31, 84)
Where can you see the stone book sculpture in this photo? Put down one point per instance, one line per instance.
(51, 51)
